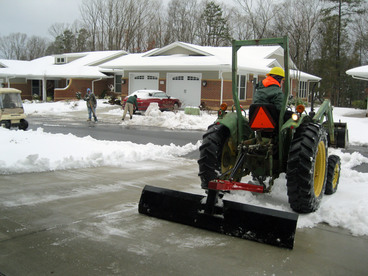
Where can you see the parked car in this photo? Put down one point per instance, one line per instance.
(11, 109)
(146, 97)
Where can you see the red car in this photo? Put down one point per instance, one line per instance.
(145, 97)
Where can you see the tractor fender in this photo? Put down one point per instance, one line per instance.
(291, 124)
(230, 120)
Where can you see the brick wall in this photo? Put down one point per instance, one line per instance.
(124, 88)
(162, 85)
(81, 85)
(211, 94)
(24, 87)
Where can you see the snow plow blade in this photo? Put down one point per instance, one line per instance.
(235, 219)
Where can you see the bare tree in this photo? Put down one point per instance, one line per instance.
(359, 34)
(6, 48)
(182, 20)
(36, 47)
(13, 46)
(239, 23)
(119, 24)
(260, 15)
(90, 11)
(300, 20)
(58, 29)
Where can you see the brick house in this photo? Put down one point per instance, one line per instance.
(197, 74)
(58, 77)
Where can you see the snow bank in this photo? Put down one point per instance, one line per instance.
(37, 151)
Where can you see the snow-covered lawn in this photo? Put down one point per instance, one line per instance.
(38, 151)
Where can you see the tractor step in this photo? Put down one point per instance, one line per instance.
(234, 219)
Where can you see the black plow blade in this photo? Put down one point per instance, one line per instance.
(235, 219)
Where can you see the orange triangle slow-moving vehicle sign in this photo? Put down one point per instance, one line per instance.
(262, 120)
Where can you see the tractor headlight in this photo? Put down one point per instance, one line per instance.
(295, 117)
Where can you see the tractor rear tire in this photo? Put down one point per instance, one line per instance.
(211, 153)
(333, 174)
(306, 168)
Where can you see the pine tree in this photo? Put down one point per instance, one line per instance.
(216, 30)
(335, 47)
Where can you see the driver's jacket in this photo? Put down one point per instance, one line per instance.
(269, 91)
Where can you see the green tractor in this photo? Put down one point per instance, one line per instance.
(267, 143)
(264, 144)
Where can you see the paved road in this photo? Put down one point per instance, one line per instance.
(85, 222)
(110, 128)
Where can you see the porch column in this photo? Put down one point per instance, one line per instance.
(44, 90)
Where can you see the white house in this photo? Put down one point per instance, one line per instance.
(197, 74)
(360, 73)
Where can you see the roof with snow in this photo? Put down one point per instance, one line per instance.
(178, 56)
(185, 56)
(73, 65)
(360, 72)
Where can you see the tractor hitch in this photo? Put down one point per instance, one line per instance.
(228, 185)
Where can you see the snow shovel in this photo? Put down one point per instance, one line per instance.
(231, 218)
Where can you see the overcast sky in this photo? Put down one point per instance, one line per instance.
(34, 17)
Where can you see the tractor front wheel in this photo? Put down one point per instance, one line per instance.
(333, 174)
(306, 168)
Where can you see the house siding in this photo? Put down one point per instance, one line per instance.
(24, 87)
(81, 85)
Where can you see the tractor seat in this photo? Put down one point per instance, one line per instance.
(263, 117)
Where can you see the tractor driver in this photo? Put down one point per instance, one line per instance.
(269, 90)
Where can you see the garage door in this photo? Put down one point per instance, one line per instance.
(143, 81)
(186, 87)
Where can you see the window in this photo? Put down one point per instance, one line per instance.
(60, 60)
(255, 82)
(303, 89)
(192, 78)
(151, 78)
(10, 100)
(36, 87)
(139, 78)
(242, 86)
(178, 78)
(117, 83)
(160, 95)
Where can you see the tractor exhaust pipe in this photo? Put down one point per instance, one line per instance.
(234, 219)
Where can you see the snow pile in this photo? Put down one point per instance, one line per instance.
(37, 151)
(61, 107)
(171, 120)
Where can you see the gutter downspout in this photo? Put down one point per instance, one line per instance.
(8, 80)
(222, 86)
(93, 84)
